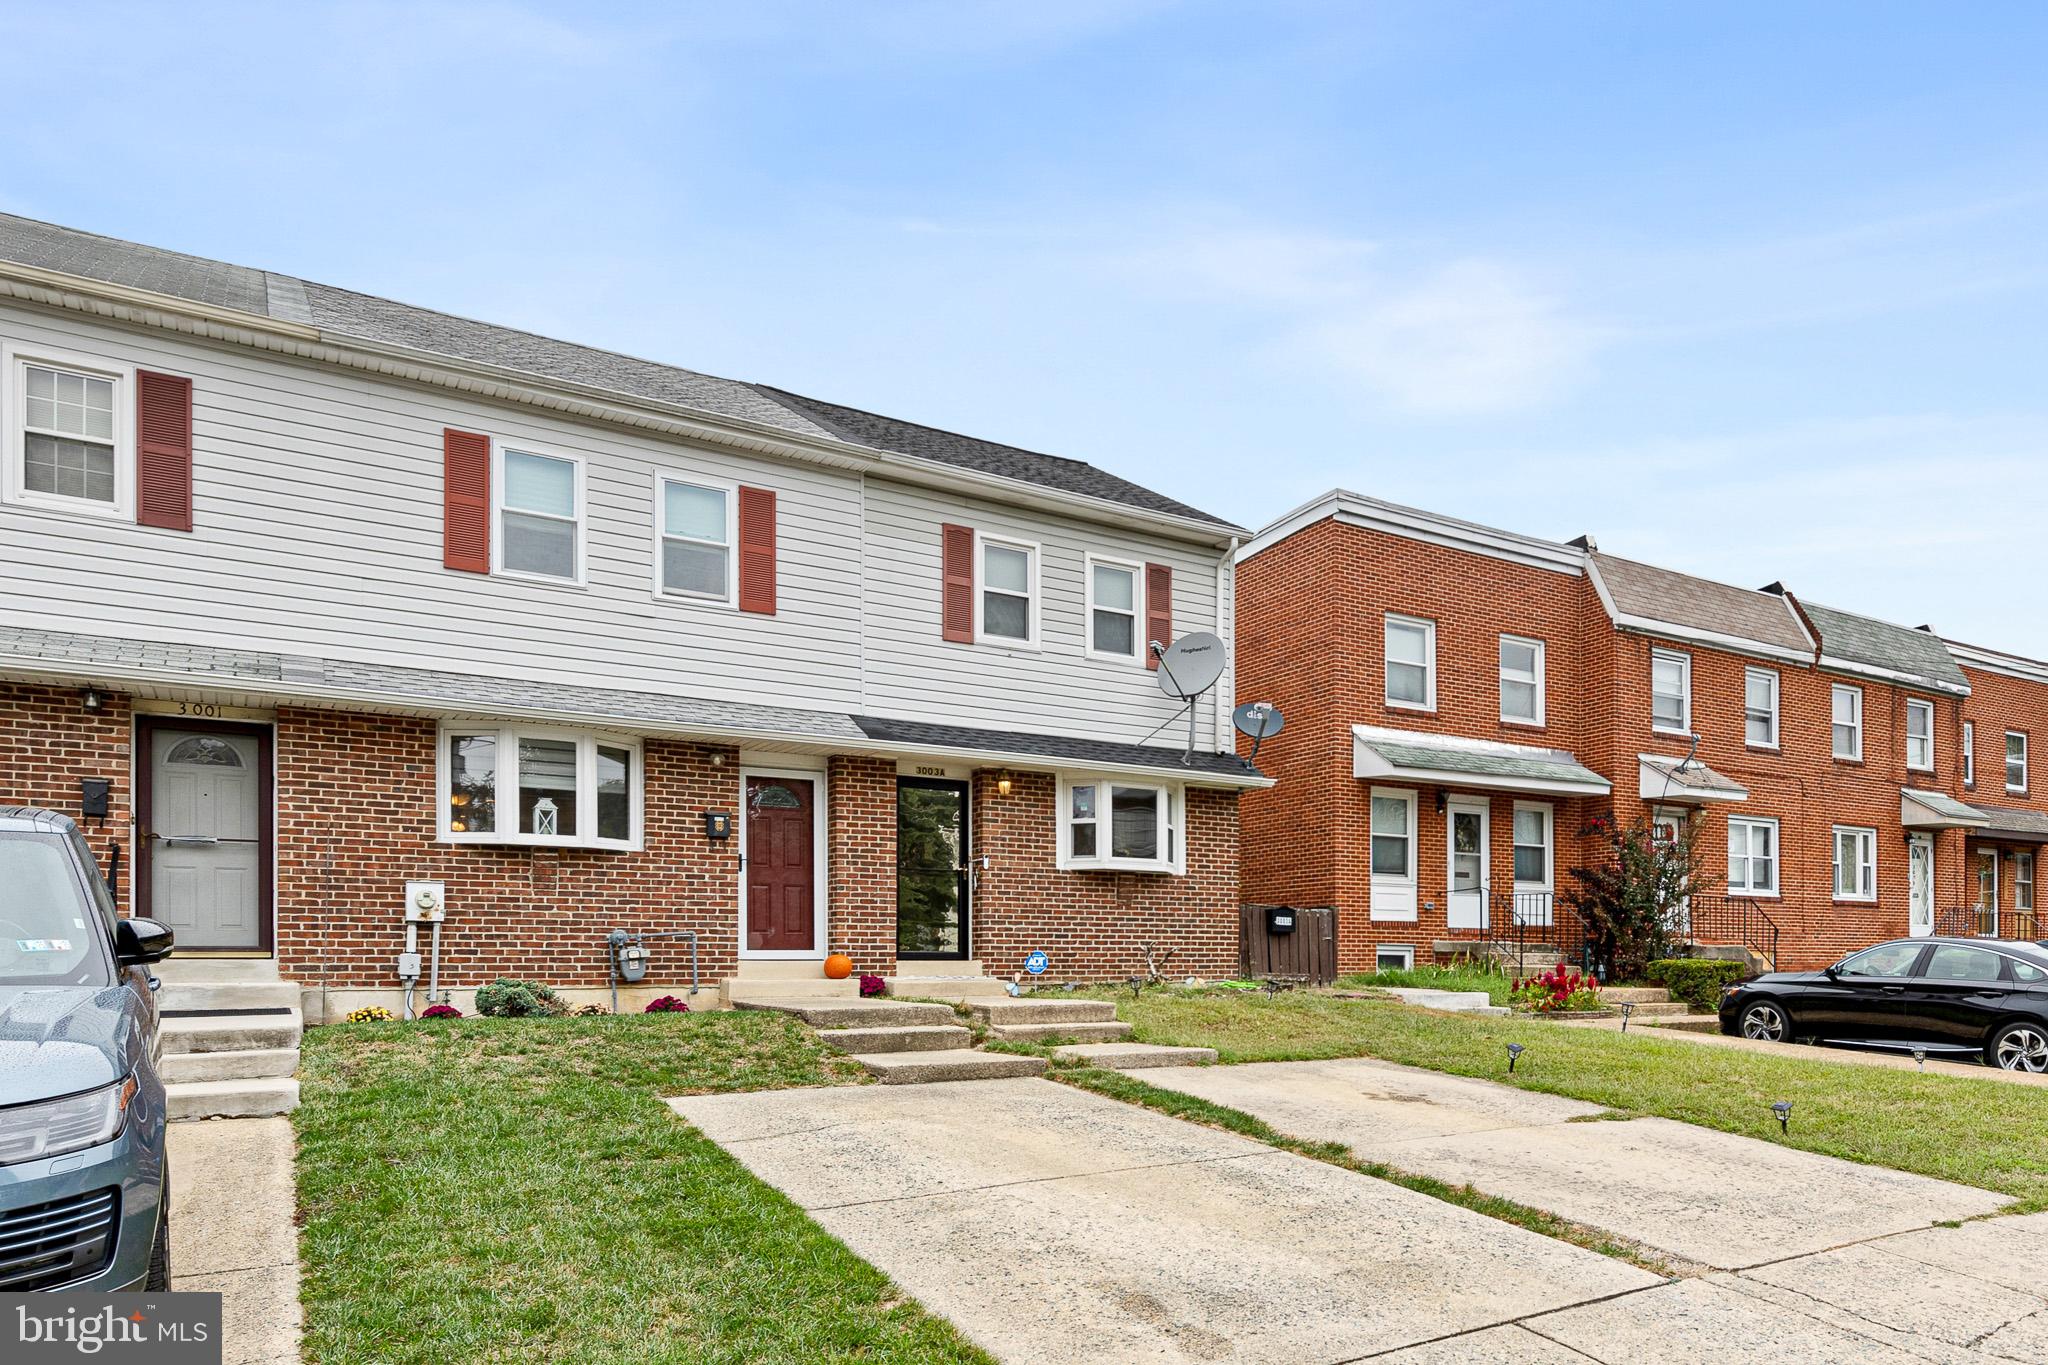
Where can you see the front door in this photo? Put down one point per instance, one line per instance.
(1987, 892)
(781, 864)
(205, 827)
(931, 868)
(1920, 885)
(1468, 852)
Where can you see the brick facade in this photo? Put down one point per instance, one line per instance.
(2000, 702)
(49, 742)
(861, 856)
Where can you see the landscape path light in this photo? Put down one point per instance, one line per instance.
(1920, 1056)
(1628, 1007)
(1783, 1110)
(1515, 1051)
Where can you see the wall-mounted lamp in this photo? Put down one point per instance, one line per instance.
(94, 700)
(1440, 800)
(1003, 784)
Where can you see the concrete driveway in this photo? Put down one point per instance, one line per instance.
(233, 1232)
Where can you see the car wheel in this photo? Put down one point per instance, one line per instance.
(2019, 1047)
(1765, 1022)
(159, 1281)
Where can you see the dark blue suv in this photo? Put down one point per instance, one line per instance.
(84, 1186)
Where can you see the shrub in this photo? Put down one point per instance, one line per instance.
(507, 998)
(1697, 980)
(1558, 991)
(668, 1004)
(1629, 896)
(440, 1012)
(370, 1014)
(873, 985)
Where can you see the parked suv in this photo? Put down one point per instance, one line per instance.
(83, 1180)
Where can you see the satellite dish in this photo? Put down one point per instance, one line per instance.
(1190, 666)
(1259, 719)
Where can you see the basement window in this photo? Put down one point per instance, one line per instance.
(546, 788)
(1113, 823)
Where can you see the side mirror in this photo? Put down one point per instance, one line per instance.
(141, 941)
(1832, 970)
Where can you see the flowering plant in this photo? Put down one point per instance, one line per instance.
(370, 1014)
(668, 1004)
(1557, 991)
(871, 984)
(440, 1012)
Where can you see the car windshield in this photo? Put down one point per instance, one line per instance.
(48, 932)
(1886, 959)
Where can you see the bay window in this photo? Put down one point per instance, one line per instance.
(503, 785)
(1113, 823)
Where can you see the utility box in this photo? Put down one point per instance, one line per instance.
(1279, 919)
(425, 902)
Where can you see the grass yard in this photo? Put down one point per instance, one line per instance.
(515, 1190)
(1986, 1133)
(1495, 984)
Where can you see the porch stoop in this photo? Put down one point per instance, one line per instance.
(902, 1043)
(962, 981)
(230, 1033)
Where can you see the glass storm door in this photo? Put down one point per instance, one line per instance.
(1467, 898)
(1920, 885)
(206, 835)
(931, 868)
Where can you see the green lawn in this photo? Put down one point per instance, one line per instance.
(1495, 984)
(514, 1190)
(1987, 1133)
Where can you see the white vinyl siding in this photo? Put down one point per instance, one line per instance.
(1847, 729)
(1521, 680)
(1410, 662)
(1670, 691)
(1855, 864)
(67, 446)
(1760, 708)
(2015, 761)
(1752, 857)
(1920, 735)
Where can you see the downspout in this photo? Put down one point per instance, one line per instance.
(1226, 609)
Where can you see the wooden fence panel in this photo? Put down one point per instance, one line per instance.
(1310, 951)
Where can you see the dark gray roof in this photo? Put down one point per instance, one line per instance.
(1691, 775)
(2014, 822)
(1063, 748)
(369, 318)
(1918, 654)
(1682, 600)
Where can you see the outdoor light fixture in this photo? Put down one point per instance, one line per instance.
(1002, 784)
(1515, 1051)
(1783, 1110)
(1920, 1056)
(1628, 1007)
(94, 700)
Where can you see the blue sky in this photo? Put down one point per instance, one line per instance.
(1752, 290)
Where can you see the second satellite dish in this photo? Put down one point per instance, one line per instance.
(1190, 665)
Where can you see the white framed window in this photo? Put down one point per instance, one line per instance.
(1919, 734)
(1115, 624)
(1521, 680)
(1671, 691)
(2023, 881)
(1393, 957)
(1969, 754)
(1847, 730)
(2015, 761)
(1760, 708)
(1121, 823)
(1855, 863)
(1411, 662)
(1533, 844)
(531, 785)
(70, 439)
(537, 526)
(1006, 605)
(1752, 856)
(1391, 849)
(696, 527)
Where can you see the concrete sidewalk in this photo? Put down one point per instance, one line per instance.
(233, 1231)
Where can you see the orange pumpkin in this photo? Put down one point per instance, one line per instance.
(838, 966)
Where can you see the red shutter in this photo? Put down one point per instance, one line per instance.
(466, 501)
(757, 550)
(163, 451)
(1158, 610)
(957, 612)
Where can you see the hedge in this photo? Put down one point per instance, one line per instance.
(1697, 980)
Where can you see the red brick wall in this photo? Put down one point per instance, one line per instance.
(48, 741)
(1093, 925)
(861, 853)
(1999, 702)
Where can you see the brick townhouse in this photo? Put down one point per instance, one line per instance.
(311, 595)
(1462, 701)
(2005, 713)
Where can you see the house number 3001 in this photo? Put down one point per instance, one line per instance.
(209, 710)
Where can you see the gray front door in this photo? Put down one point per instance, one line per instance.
(206, 836)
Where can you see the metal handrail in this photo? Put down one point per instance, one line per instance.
(1736, 919)
(1987, 921)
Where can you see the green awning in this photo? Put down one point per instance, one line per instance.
(1448, 761)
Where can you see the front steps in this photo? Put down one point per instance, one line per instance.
(1134, 1056)
(1031, 1020)
(230, 1036)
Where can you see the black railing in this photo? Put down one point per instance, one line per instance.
(1986, 921)
(1515, 924)
(1729, 921)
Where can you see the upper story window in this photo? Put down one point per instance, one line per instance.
(1521, 680)
(1006, 609)
(1411, 662)
(1919, 734)
(540, 515)
(695, 558)
(532, 786)
(1670, 691)
(1760, 708)
(1113, 608)
(1855, 864)
(68, 445)
(1969, 754)
(1848, 721)
(1752, 856)
(1121, 824)
(2015, 761)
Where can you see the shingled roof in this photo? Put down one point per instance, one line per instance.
(1655, 595)
(1916, 655)
(365, 317)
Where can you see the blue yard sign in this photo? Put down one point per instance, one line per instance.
(1036, 964)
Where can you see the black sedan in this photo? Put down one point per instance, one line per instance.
(1982, 996)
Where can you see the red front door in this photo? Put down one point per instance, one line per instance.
(781, 865)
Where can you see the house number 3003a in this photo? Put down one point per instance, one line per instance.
(931, 772)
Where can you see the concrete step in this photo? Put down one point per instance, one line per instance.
(232, 1033)
(1640, 995)
(917, 1068)
(741, 993)
(183, 968)
(259, 1064)
(827, 1014)
(1079, 1033)
(1688, 1023)
(1134, 1056)
(227, 995)
(940, 967)
(244, 1099)
(913, 1038)
(1042, 1011)
(963, 988)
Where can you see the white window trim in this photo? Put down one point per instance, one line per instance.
(1549, 812)
(1138, 606)
(1034, 575)
(582, 518)
(1172, 816)
(507, 800)
(2021, 736)
(2023, 861)
(1684, 662)
(1916, 704)
(1405, 951)
(1542, 670)
(1777, 859)
(1866, 862)
(14, 410)
(820, 867)
(1849, 689)
(730, 598)
(1385, 889)
(1969, 754)
(1428, 627)
(1771, 675)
